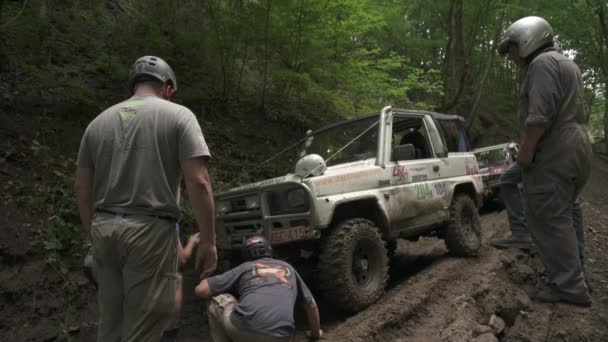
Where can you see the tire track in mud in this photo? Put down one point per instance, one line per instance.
(419, 306)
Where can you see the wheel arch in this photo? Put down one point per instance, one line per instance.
(367, 208)
(468, 189)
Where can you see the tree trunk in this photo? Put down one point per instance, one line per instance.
(266, 48)
(296, 62)
(241, 73)
(599, 7)
(604, 27)
(606, 113)
(455, 70)
(43, 9)
(590, 101)
(492, 51)
(220, 47)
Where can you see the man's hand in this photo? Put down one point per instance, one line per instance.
(312, 315)
(206, 259)
(200, 194)
(83, 186)
(317, 336)
(525, 157)
(202, 289)
(194, 239)
(527, 149)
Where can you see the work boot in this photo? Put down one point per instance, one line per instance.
(548, 294)
(521, 241)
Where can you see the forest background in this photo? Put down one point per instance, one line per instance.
(259, 73)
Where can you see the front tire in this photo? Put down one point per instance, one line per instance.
(353, 265)
(463, 235)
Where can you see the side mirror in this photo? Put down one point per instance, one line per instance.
(404, 152)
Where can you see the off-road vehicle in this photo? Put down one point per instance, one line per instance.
(357, 187)
(493, 161)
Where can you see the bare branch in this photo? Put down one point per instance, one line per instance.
(16, 17)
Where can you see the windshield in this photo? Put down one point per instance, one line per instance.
(491, 157)
(329, 141)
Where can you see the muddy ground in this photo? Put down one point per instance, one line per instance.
(434, 297)
(431, 297)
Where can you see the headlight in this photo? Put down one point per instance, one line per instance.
(288, 200)
(223, 206)
(296, 198)
(252, 202)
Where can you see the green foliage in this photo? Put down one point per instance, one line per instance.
(55, 199)
(301, 62)
(596, 121)
(61, 235)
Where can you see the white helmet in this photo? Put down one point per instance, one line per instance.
(312, 164)
(529, 33)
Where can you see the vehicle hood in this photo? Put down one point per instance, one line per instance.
(291, 178)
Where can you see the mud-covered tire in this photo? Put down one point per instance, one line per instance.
(353, 265)
(463, 234)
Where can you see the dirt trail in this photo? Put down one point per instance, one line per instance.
(415, 307)
(488, 298)
(435, 297)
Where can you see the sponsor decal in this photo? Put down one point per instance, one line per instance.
(496, 170)
(419, 178)
(471, 167)
(440, 189)
(399, 175)
(423, 191)
(263, 272)
(346, 177)
(348, 166)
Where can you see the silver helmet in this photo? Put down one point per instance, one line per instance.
(310, 165)
(529, 33)
(153, 67)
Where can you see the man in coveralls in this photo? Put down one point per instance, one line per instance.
(555, 153)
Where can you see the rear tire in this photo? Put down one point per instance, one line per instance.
(463, 235)
(353, 265)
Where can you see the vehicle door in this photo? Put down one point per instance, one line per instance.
(416, 194)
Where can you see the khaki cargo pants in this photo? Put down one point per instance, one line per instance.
(136, 257)
(221, 327)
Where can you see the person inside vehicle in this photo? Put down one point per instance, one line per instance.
(416, 139)
(267, 289)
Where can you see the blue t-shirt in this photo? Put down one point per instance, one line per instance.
(268, 290)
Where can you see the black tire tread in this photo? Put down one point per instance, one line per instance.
(455, 239)
(335, 279)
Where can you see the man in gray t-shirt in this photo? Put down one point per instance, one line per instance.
(268, 290)
(130, 163)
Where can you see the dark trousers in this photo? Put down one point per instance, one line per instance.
(555, 224)
(513, 200)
